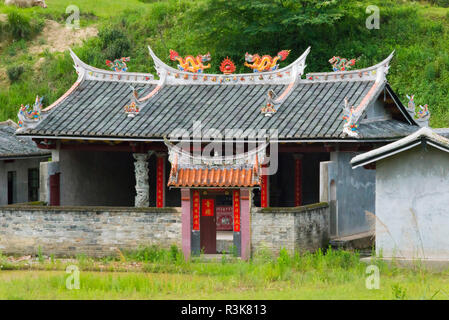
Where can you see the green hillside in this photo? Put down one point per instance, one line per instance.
(417, 31)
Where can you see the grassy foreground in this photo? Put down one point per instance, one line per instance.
(163, 274)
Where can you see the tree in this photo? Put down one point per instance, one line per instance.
(267, 26)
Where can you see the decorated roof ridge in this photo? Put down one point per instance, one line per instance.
(184, 158)
(377, 73)
(87, 72)
(285, 75)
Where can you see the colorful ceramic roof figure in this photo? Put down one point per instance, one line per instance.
(341, 64)
(268, 109)
(227, 66)
(349, 127)
(30, 116)
(411, 102)
(190, 63)
(266, 62)
(133, 109)
(423, 116)
(119, 65)
(306, 110)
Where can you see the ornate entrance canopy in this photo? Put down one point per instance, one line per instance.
(236, 171)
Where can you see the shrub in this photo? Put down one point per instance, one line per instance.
(20, 26)
(441, 3)
(432, 71)
(14, 73)
(114, 43)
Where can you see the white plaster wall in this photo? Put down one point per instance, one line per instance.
(412, 204)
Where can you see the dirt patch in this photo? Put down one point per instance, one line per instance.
(57, 37)
(3, 17)
(4, 82)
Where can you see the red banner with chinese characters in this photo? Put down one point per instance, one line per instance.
(264, 190)
(160, 182)
(207, 209)
(196, 209)
(236, 205)
(298, 182)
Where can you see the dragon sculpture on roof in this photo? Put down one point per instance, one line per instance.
(341, 64)
(266, 62)
(118, 65)
(190, 63)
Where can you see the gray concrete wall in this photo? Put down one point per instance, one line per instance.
(295, 229)
(96, 178)
(87, 230)
(21, 167)
(412, 204)
(353, 194)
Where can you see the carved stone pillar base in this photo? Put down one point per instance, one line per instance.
(142, 187)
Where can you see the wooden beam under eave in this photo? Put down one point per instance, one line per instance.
(44, 144)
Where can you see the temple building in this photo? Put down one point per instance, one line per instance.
(225, 148)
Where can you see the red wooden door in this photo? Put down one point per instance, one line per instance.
(208, 228)
(55, 189)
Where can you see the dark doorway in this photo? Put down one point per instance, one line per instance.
(208, 227)
(55, 189)
(12, 187)
(33, 184)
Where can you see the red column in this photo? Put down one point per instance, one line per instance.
(298, 179)
(55, 186)
(264, 190)
(160, 180)
(186, 222)
(236, 207)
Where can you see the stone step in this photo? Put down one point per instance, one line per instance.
(360, 241)
(215, 258)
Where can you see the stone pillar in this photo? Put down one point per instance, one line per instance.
(298, 179)
(186, 228)
(245, 222)
(142, 187)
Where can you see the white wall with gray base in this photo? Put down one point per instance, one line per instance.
(412, 204)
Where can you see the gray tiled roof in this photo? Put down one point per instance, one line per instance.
(312, 111)
(12, 146)
(424, 135)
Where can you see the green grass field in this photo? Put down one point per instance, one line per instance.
(132, 285)
(163, 274)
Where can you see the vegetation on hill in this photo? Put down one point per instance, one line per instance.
(417, 31)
